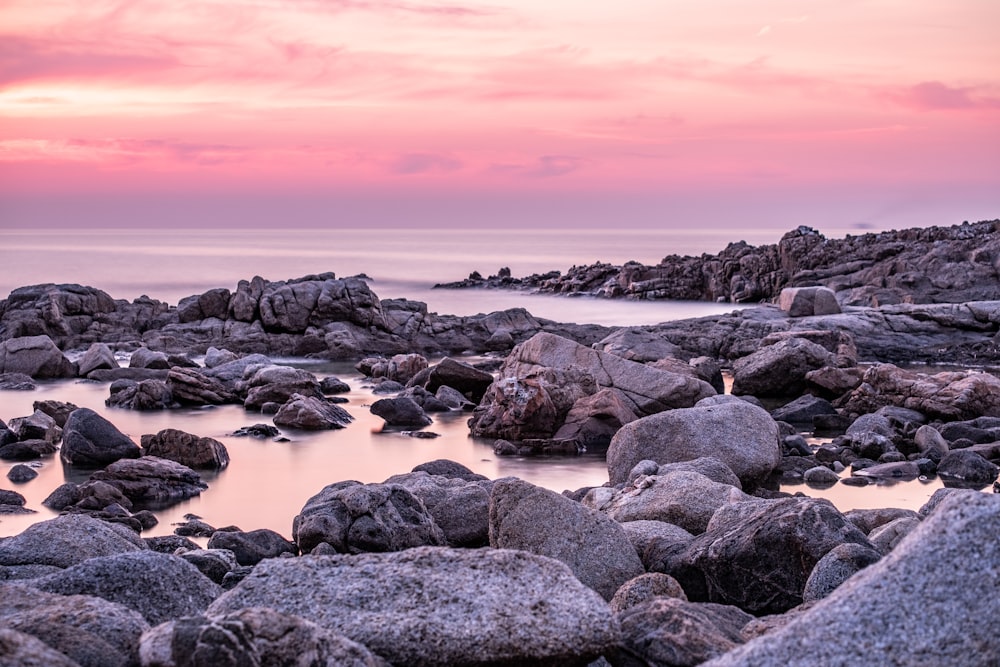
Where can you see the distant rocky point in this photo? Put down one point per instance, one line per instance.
(919, 265)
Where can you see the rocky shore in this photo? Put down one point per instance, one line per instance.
(688, 555)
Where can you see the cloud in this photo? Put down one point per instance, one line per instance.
(763, 31)
(121, 151)
(422, 163)
(546, 166)
(936, 96)
(26, 59)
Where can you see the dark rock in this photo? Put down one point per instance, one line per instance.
(463, 606)
(189, 386)
(143, 357)
(384, 386)
(37, 426)
(277, 384)
(142, 395)
(530, 518)
(194, 527)
(63, 496)
(21, 473)
(447, 468)
(67, 540)
(35, 356)
(186, 449)
(16, 382)
(833, 569)
(26, 450)
(831, 382)
(213, 563)
(253, 546)
(354, 518)
(257, 431)
(820, 476)
(594, 420)
(58, 410)
(808, 301)
(20, 649)
(152, 482)
(310, 413)
(670, 631)
(779, 369)
(453, 398)
(332, 385)
(168, 544)
(964, 467)
(803, 409)
(98, 356)
(400, 411)
(159, 586)
(644, 588)
(400, 368)
(464, 378)
(427, 401)
(459, 503)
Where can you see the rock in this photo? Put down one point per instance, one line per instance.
(67, 540)
(152, 482)
(928, 439)
(384, 386)
(464, 378)
(459, 503)
(26, 450)
(447, 468)
(742, 436)
(483, 606)
(257, 431)
(159, 586)
(35, 356)
(965, 467)
(168, 544)
(87, 629)
(886, 537)
(803, 409)
(947, 396)
(213, 303)
(313, 414)
(213, 563)
(216, 357)
(594, 420)
(186, 449)
(830, 382)
(779, 369)
(533, 519)
(820, 476)
(544, 377)
(58, 410)
(21, 473)
(193, 387)
(354, 518)
(400, 411)
(868, 520)
(644, 588)
(12, 502)
(143, 395)
(16, 382)
(650, 537)
(193, 526)
(253, 546)
(902, 470)
(683, 498)
(926, 595)
(277, 384)
(91, 440)
(758, 554)
(833, 569)
(332, 385)
(808, 301)
(98, 356)
(18, 649)
(143, 357)
(671, 631)
(252, 636)
(425, 399)
(37, 426)
(400, 368)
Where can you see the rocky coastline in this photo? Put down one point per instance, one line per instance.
(688, 555)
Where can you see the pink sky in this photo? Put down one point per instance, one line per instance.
(525, 112)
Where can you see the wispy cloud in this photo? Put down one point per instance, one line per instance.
(422, 163)
(937, 96)
(545, 166)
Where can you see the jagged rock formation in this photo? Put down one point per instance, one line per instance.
(920, 265)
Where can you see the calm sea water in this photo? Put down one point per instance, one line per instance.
(267, 482)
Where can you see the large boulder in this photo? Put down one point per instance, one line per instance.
(431, 605)
(252, 636)
(91, 440)
(593, 420)
(530, 518)
(352, 517)
(779, 369)
(545, 376)
(949, 396)
(808, 301)
(36, 356)
(159, 586)
(67, 540)
(759, 554)
(400, 411)
(186, 449)
(741, 435)
(924, 602)
(152, 482)
(459, 504)
(277, 384)
(312, 414)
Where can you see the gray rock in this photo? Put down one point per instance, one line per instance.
(459, 504)
(820, 476)
(868, 520)
(759, 554)
(313, 414)
(67, 540)
(683, 498)
(453, 398)
(252, 636)
(26, 450)
(709, 466)
(400, 411)
(927, 595)
(186, 449)
(742, 436)
(91, 440)
(35, 356)
(213, 563)
(87, 629)
(594, 420)
(278, 384)
(963, 466)
(152, 482)
(671, 631)
(152, 394)
(37, 426)
(448, 468)
(18, 649)
(159, 586)
(354, 518)
(189, 386)
(468, 380)
(253, 546)
(332, 385)
(803, 409)
(58, 410)
(98, 356)
(16, 382)
(929, 440)
(533, 519)
(143, 357)
(21, 473)
(833, 569)
(779, 369)
(649, 537)
(808, 301)
(400, 368)
(461, 606)
(887, 536)
(644, 588)
(216, 357)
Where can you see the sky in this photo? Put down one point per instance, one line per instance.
(873, 114)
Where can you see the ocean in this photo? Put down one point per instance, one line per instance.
(268, 482)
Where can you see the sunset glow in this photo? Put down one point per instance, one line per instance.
(641, 112)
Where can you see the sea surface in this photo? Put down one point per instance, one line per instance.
(268, 482)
